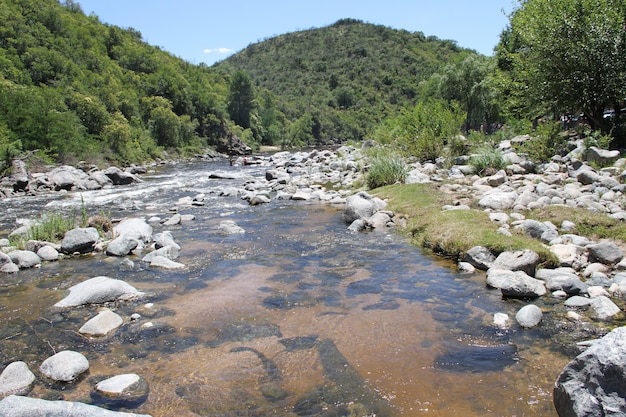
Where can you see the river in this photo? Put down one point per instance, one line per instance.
(296, 317)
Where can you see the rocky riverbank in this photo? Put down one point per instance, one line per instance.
(590, 281)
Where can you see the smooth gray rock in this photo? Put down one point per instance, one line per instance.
(592, 385)
(603, 308)
(122, 389)
(105, 322)
(169, 252)
(81, 240)
(520, 260)
(607, 253)
(16, 378)
(98, 290)
(229, 227)
(48, 254)
(122, 245)
(361, 206)
(134, 228)
(24, 258)
(119, 177)
(515, 284)
(163, 239)
(534, 228)
(65, 366)
(498, 200)
(578, 302)
(529, 316)
(65, 177)
(174, 220)
(479, 257)
(16, 406)
(165, 263)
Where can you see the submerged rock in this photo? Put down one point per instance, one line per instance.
(105, 322)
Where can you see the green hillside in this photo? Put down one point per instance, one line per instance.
(74, 88)
(346, 77)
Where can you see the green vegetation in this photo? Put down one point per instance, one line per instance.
(487, 159)
(338, 82)
(385, 168)
(73, 88)
(51, 227)
(464, 229)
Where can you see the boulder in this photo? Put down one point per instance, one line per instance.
(169, 252)
(134, 228)
(16, 378)
(19, 175)
(81, 240)
(119, 177)
(498, 200)
(16, 406)
(361, 206)
(102, 324)
(520, 260)
(603, 308)
(48, 253)
(229, 227)
(163, 239)
(529, 316)
(174, 220)
(64, 366)
(602, 157)
(98, 290)
(122, 246)
(165, 263)
(592, 385)
(65, 177)
(480, 257)
(24, 258)
(126, 390)
(607, 253)
(515, 284)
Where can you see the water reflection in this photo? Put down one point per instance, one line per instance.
(296, 317)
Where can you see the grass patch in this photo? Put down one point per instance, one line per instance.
(50, 228)
(385, 168)
(452, 233)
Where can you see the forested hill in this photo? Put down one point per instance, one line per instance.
(72, 87)
(347, 76)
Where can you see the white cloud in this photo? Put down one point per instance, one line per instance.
(218, 50)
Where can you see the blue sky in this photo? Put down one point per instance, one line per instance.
(208, 31)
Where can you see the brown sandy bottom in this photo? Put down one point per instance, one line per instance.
(393, 352)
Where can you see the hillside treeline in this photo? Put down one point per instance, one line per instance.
(73, 88)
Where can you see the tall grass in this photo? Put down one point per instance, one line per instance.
(385, 168)
(485, 159)
(50, 228)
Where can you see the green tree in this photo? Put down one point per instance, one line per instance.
(570, 54)
(241, 99)
(469, 83)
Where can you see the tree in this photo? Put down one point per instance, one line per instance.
(469, 83)
(241, 99)
(570, 53)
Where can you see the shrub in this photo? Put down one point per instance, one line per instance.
(50, 228)
(487, 158)
(386, 168)
(547, 142)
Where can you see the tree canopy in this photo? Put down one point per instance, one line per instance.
(567, 55)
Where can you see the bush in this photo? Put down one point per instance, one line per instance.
(487, 158)
(385, 168)
(547, 142)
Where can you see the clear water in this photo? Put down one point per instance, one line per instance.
(297, 317)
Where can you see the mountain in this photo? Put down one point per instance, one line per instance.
(74, 88)
(347, 76)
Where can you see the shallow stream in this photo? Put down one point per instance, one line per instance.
(296, 317)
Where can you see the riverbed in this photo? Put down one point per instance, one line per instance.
(296, 317)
